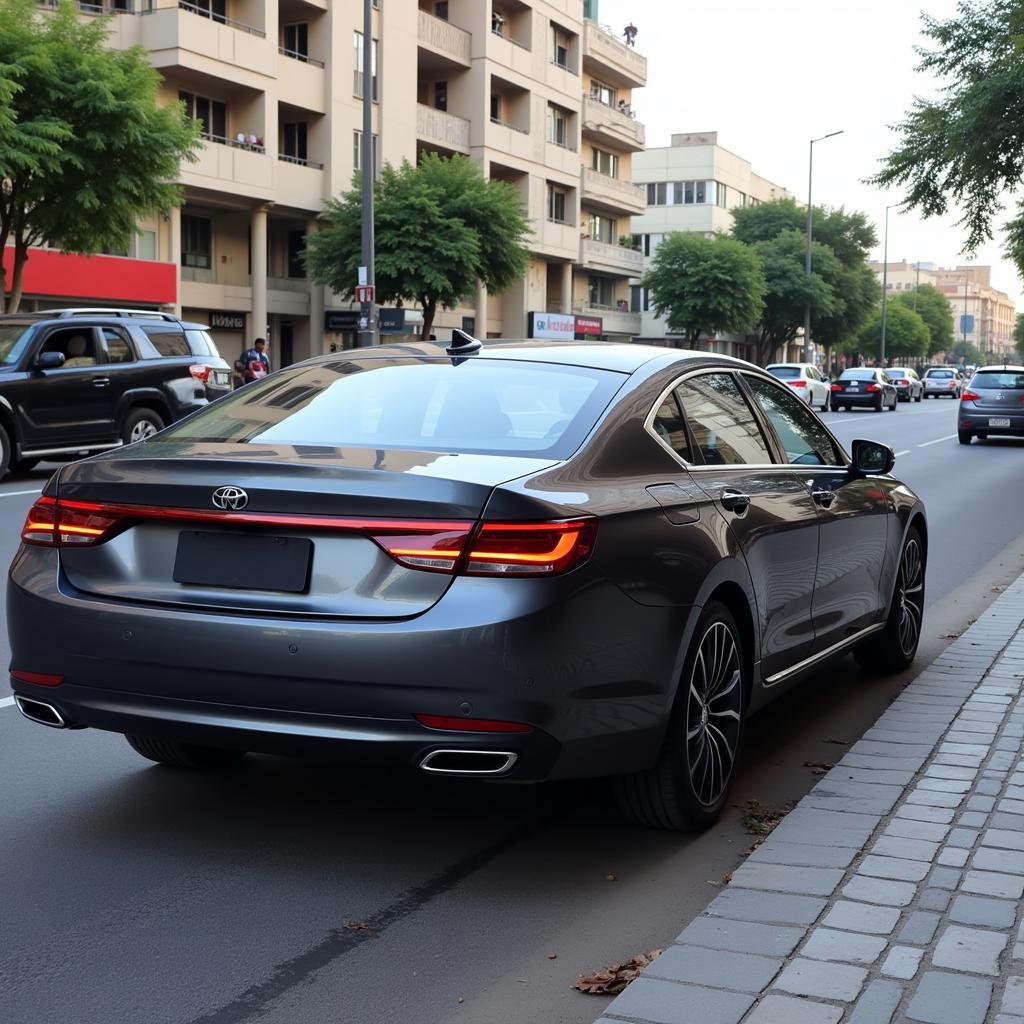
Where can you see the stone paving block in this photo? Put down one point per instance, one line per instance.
(902, 962)
(950, 771)
(816, 978)
(966, 736)
(826, 827)
(903, 828)
(787, 1010)
(944, 785)
(1011, 806)
(980, 803)
(1002, 760)
(919, 928)
(1013, 996)
(851, 947)
(1005, 820)
(992, 883)
(982, 910)
(973, 819)
(834, 794)
(943, 998)
(944, 878)
(875, 748)
(668, 1002)
(941, 815)
(969, 949)
(930, 799)
(783, 878)
(1008, 861)
(959, 759)
(886, 776)
(909, 764)
(964, 838)
(952, 857)
(739, 972)
(964, 749)
(858, 917)
(878, 890)
(741, 936)
(988, 787)
(904, 737)
(766, 907)
(877, 1004)
(1005, 1018)
(907, 849)
(803, 854)
(934, 899)
(894, 868)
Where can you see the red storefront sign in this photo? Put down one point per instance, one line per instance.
(589, 325)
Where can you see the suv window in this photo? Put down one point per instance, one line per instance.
(202, 344)
(668, 425)
(941, 374)
(998, 380)
(721, 422)
(118, 349)
(76, 344)
(804, 440)
(168, 341)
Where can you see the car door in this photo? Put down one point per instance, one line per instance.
(854, 514)
(768, 509)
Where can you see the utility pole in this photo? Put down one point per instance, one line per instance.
(917, 283)
(885, 283)
(367, 309)
(808, 351)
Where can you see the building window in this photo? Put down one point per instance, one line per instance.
(145, 245)
(560, 41)
(496, 108)
(601, 291)
(357, 88)
(657, 193)
(441, 9)
(557, 204)
(296, 40)
(498, 21)
(212, 115)
(639, 299)
(602, 229)
(440, 95)
(296, 246)
(196, 242)
(357, 152)
(215, 9)
(602, 93)
(293, 140)
(558, 126)
(721, 198)
(686, 193)
(605, 162)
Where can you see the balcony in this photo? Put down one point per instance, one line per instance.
(441, 129)
(226, 167)
(300, 81)
(614, 321)
(611, 259)
(611, 194)
(609, 125)
(300, 183)
(612, 60)
(445, 46)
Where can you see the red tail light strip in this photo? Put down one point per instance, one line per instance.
(37, 678)
(970, 396)
(453, 724)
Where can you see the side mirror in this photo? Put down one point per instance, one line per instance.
(49, 360)
(872, 458)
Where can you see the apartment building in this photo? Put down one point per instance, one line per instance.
(529, 90)
(692, 185)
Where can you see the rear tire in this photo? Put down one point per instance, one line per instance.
(184, 755)
(826, 404)
(964, 436)
(919, 397)
(879, 405)
(687, 788)
(140, 424)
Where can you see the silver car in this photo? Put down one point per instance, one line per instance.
(942, 383)
(993, 403)
(908, 385)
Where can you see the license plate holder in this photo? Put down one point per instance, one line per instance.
(999, 421)
(239, 561)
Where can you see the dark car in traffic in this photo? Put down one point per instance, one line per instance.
(516, 561)
(76, 381)
(992, 404)
(866, 387)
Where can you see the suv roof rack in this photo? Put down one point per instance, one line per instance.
(141, 314)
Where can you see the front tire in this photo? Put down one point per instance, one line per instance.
(141, 424)
(184, 755)
(687, 788)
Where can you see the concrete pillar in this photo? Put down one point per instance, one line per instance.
(316, 305)
(566, 287)
(174, 253)
(481, 310)
(258, 316)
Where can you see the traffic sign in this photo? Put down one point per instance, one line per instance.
(364, 293)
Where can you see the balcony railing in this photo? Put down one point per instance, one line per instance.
(235, 143)
(445, 37)
(153, 6)
(564, 67)
(442, 128)
(631, 195)
(303, 57)
(515, 42)
(300, 160)
(508, 124)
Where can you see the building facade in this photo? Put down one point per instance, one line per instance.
(277, 88)
(692, 185)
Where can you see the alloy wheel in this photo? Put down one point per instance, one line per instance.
(142, 430)
(713, 709)
(910, 595)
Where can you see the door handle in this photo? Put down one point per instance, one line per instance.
(100, 382)
(735, 501)
(823, 498)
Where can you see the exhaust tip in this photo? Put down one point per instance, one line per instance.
(468, 762)
(39, 712)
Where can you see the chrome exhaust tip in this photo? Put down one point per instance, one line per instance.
(40, 713)
(468, 762)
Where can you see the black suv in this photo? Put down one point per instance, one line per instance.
(75, 381)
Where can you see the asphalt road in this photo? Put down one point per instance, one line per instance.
(289, 892)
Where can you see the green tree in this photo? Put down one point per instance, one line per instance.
(934, 309)
(84, 149)
(964, 352)
(965, 149)
(1018, 334)
(906, 333)
(440, 228)
(705, 285)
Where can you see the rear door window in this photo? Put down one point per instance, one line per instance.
(669, 426)
(168, 341)
(723, 425)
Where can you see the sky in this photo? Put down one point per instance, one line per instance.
(769, 75)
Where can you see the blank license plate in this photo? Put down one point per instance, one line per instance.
(1001, 421)
(243, 562)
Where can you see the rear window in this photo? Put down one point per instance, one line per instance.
(202, 344)
(168, 341)
(858, 375)
(897, 371)
(12, 342)
(488, 406)
(784, 372)
(998, 380)
(940, 374)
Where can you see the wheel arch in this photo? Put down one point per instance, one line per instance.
(146, 398)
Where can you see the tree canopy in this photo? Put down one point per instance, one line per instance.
(84, 149)
(704, 285)
(440, 228)
(934, 309)
(966, 148)
(906, 333)
(1018, 334)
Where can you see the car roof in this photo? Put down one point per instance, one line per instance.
(1003, 368)
(70, 314)
(773, 366)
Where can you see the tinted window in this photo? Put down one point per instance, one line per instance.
(721, 422)
(202, 344)
(784, 372)
(168, 341)
(804, 440)
(998, 380)
(118, 350)
(857, 375)
(12, 342)
(490, 406)
(898, 371)
(76, 344)
(943, 374)
(668, 425)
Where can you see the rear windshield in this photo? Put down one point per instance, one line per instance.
(994, 380)
(897, 371)
(858, 375)
(12, 342)
(168, 341)
(489, 406)
(942, 374)
(201, 343)
(784, 372)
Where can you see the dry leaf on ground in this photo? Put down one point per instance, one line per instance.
(614, 978)
(760, 821)
(838, 743)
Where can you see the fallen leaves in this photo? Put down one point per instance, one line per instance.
(760, 821)
(838, 743)
(819, 767)
(614, 978)
(358, 926)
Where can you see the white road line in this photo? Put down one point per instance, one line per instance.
(938, 440)
(7, 702)
(15, 494)
(907, 452)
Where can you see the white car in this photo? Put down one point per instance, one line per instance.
(942, 383)
(806, 381)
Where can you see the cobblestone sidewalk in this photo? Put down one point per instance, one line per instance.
(893, 891)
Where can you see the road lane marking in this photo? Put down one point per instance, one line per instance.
(7, 702)
(938, 440)
(907, 452)
(15, 494)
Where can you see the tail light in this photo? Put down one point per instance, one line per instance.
(453, 724)
(903, 383)
(970, 396)
(873, 387)
(36, 678)
(837, 387)
(200, 372)
(952, 383)
(454, 548)
(798, 383)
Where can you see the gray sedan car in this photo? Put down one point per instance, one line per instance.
(992, 404)
(516, 561)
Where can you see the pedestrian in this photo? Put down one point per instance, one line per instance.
(630, 33)
(255, 361)
(623, 108)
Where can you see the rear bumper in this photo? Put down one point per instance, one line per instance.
(942, 392)
(588, 669)
(977, 422)
(858, 398)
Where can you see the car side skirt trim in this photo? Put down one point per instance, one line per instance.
(800, 666)
(71, 451)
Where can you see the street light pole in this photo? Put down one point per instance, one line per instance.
(885, 283)
(808, 354)
(367, 310)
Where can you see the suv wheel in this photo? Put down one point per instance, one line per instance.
(140, 424)
(964, 436)
(687, 788)
(184, 755)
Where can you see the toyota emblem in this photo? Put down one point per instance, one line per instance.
(231, 499)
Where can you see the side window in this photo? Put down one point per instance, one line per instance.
(668, 425)
(168, 341)
(722, 424)
(118, 349)
(76, 344)
(804, 440)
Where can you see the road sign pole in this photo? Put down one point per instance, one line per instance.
(367, 326)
